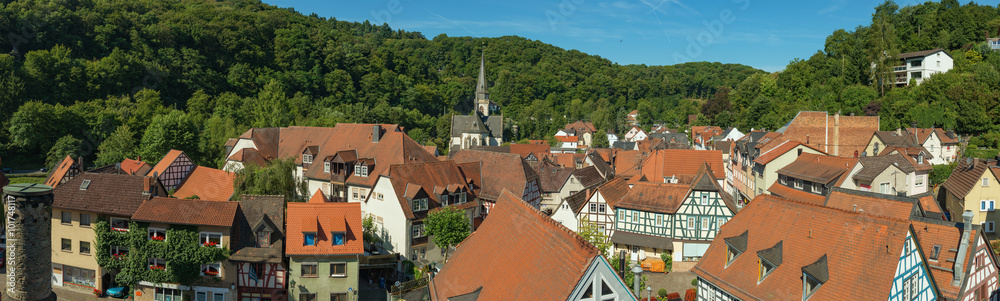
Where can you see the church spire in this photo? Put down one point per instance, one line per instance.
(481, 93)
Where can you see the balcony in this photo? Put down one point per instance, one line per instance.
(901, 80)
(899, 69)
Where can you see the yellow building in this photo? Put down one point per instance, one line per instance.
(973, 186)
(80, 202)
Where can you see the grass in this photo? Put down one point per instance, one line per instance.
(988, 153)
(31, 178)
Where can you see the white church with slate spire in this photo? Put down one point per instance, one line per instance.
(484, 125)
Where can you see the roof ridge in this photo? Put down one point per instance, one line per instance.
(547, 219)
(835, 209)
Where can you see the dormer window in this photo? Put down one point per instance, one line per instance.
(920, 158)
(263, 238)
(798, 183)
(338, 238)
(419, 204)
(814, 276)
(307, 159)
(361, 170)
(768, 260)
(326, 167)
(308, 238)
(735, 246)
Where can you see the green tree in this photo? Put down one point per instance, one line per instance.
(118, 146)
(449, 226)
(600, 139)
(173, 130)
(591, 233)
(884, 49)
(272, 107)
(65, 146)
(277, 178)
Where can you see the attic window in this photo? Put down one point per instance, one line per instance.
(263, 238)
(308, 238)
(809, 286)
(768, 260)
(338, 238)
(361, 170)
(814, 276)
(307, 159)
(935, 252)
(731, 254)
(85, 184)
(920, 159)
(326, 167)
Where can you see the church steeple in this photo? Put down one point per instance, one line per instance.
(481, 93)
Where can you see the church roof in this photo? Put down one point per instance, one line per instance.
(476, 123)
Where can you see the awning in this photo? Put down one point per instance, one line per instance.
(642, 240)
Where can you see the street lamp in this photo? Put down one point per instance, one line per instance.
(638, 280)
(649, 293)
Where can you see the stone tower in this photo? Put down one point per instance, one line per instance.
(482, 95)
(28, 225)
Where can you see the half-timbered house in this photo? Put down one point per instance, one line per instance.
(172, 169)
(259, 251)
(598, 208)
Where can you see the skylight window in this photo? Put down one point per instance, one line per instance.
(85, 184)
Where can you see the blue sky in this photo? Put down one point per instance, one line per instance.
(765, 35)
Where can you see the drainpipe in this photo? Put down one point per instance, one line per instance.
(962, 248)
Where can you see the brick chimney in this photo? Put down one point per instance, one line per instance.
(963, 247)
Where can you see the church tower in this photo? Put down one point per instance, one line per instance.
(482, 95)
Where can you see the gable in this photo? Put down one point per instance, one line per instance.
(911, 266)
(598, 278)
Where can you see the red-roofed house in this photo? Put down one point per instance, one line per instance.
(778, 155)
(172, 169)
(701, 136)
(519, 253)
(207, 183)
(811, 177)
(324, 242)
(63, 172)
(499, 172)
(780, 249)
(836, 135)
(135, 167)
(680, 165)
(943, 146)
(404, 196)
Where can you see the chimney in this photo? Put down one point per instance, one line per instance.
(376, 132)
(962, 248)
(836, 134)
(79, 162)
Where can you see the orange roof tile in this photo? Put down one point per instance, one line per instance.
(249, 155)
(819, 168)
(568, 138)
(393, 147)
(681, 163)
(135, 167)
(318, 198)
(778, 149)
(822, 131)
(923, 134)
(499, 171)
(208, 184)
(187, 212)
(654, 197)
(539, 150)
(627, 163)
(165, 162)
(63, 168)
(947, 236)
(408, 180)
(581, 127)
(964, 176)
(323, 219)
(518, 253)
(795, 194)
(870, 203)
(806, 233)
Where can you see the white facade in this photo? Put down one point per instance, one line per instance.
(943, 154)
(564, 215)
(601, 282)
(921, 68)
(389, 217)
(890, 181)
(598, 212)
(233, 166)
(612, 138)
(635, 134)
(474, 139)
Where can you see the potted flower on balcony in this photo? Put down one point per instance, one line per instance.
(157, 238)
(210, 244)
(157, 267)
(210, 272)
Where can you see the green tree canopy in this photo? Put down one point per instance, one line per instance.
(173, 130)
(277, 178)
(449, 226)
(118, 146)
(65, 146)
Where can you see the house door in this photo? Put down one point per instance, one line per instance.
(57, 274)
(635, 253)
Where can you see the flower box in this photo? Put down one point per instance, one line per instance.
(119, 229)
(210, 273)
(157, 238)
(210, 244)
(157, 267)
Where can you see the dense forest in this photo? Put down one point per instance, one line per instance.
(106, 79)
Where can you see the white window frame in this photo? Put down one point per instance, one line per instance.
(418, 231)
(798, 183)
(601, 208)
(783, 179)
(635, 216)
(919, 181)
(364, 170)
(326, 167)
(691, 222)
(622, 216)
(332, 275)
(593, 207)
(704, 199)
(208, 296)
(987, 205)
(817, 188)
(986, 182)
(158, 292)
(884, 187)
(307, 159)
(357, 169)
(216, 265)
(705, 223)
(151, 230)
(719, 221)
(114, 219)
(205, 237)
(659, 219)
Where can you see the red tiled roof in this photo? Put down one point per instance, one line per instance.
(681, 163)
(821, 131)
(499, 171)
(56, 177)
(870, 203)
(964, 176)
(795, 194)
(948, 236)
(807, 233)
(187, 212)
(431, 148)
(704, 132)
(568, 138)
(248, 155)
(929, 204)
(518, 253)
(581, 126)
(318, 198)
(135, 167)
(539, 150)
(627, 162)
(208, 184)
(613, 190)
(819, 168)
(168, 159)
(323, 219)
(778, 149)
(110, 194)
(654, 197)
(393, 147)
(408, 179)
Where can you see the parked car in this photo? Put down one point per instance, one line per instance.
(8, 170)
(116, 292)
(44, 169)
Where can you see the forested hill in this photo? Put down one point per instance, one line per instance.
(114, 78)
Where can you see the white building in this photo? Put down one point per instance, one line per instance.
(920, 65)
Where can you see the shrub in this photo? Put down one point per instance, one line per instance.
(662, 293)
(668, 262)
